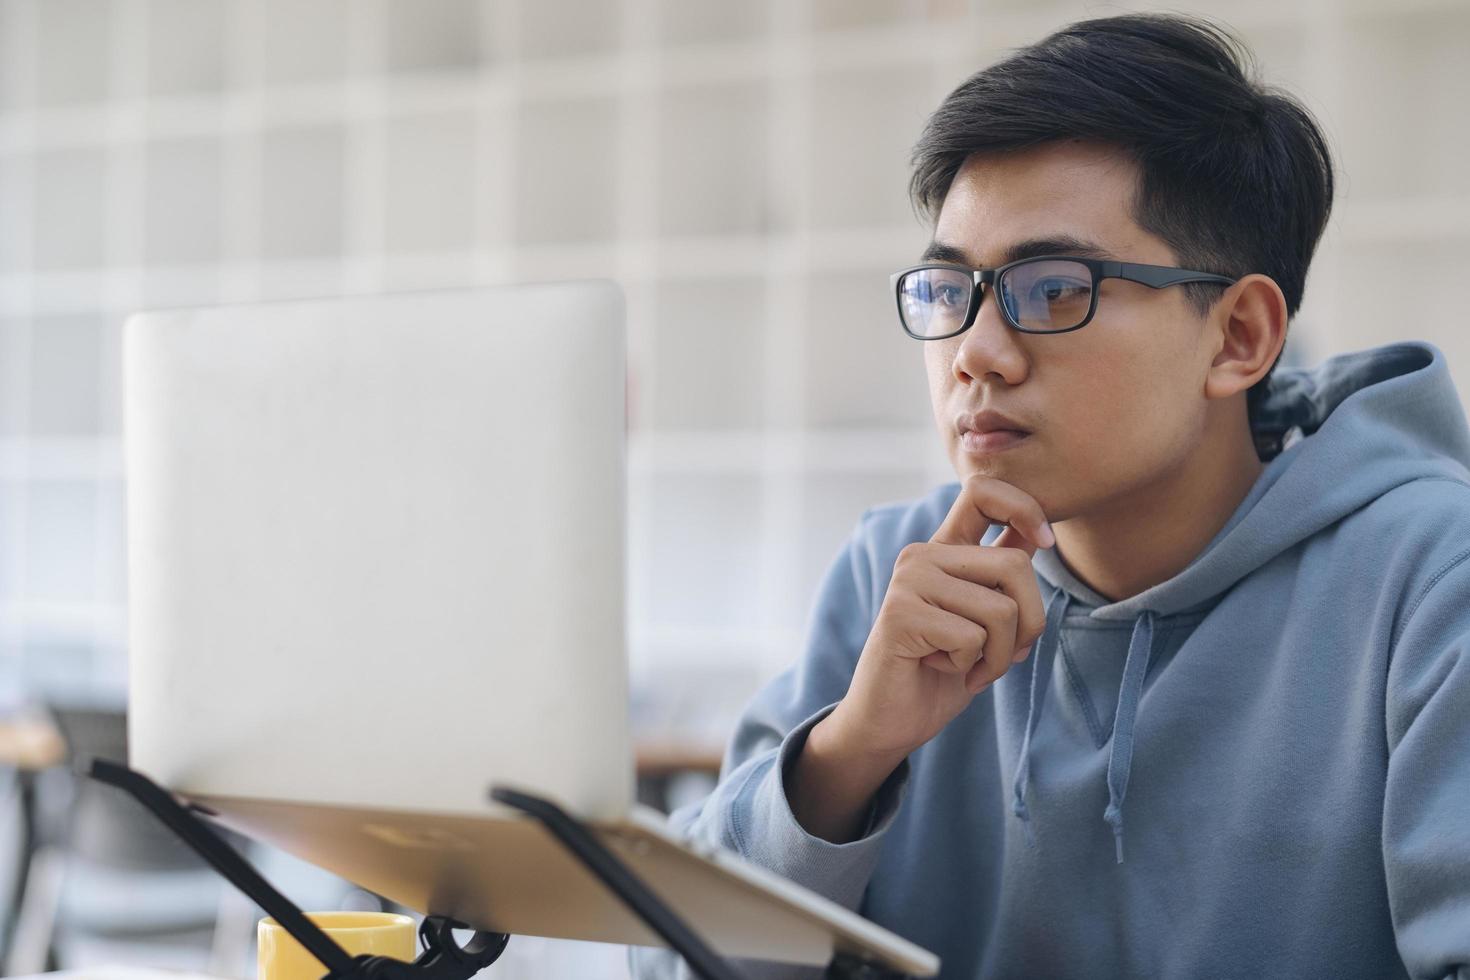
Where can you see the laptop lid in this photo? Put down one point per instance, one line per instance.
(376, 548)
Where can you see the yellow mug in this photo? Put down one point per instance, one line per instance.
(280, 957)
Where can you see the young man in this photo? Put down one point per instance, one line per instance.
(1239, 744)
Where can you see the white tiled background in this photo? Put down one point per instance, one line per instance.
(739, 166)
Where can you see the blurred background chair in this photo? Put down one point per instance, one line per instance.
(29, 746)
(108, 870)
(111, 883)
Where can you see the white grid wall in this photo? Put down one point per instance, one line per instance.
(740, 167)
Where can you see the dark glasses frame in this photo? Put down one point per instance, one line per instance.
(1155, 276)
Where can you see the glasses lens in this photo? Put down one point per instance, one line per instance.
(1049, 294)
(933, 302)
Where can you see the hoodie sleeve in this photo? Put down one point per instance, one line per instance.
(1426, 813)
(748, 811)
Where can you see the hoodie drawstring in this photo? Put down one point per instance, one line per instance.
(1120, 755)
(1041, 662)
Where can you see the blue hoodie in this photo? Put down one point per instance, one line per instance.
(1257, 768)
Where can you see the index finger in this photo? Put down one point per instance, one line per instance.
(985, 500)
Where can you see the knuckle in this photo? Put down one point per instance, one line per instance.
(977, 485)
(1017, 560)
(902, 604)
(909, 554)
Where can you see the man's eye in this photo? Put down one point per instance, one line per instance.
(1057, 290)
(948, 295)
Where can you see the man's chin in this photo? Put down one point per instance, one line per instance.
(967, 464)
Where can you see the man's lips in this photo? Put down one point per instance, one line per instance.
(994, 441)
(989, 420)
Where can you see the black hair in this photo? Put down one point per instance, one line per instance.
(1234, 176)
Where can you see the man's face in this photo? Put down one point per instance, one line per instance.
(1111, 407)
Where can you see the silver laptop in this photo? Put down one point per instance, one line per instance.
(376, 565)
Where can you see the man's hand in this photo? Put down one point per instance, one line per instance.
(955, 617)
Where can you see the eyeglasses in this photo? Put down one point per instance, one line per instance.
(1043, 294)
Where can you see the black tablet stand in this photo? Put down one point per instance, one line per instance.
(443, 958)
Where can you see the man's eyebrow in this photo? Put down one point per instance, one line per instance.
(1029, 248)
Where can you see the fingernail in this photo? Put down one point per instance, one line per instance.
(1022, 655)
(1048, 537)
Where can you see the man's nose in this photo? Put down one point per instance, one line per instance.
(990, 345)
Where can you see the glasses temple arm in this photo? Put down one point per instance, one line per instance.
(1158, 276)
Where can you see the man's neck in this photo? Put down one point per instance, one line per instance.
(1153, 534)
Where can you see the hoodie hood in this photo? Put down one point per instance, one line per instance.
(1334, 437)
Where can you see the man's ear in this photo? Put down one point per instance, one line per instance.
(1250, 317)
